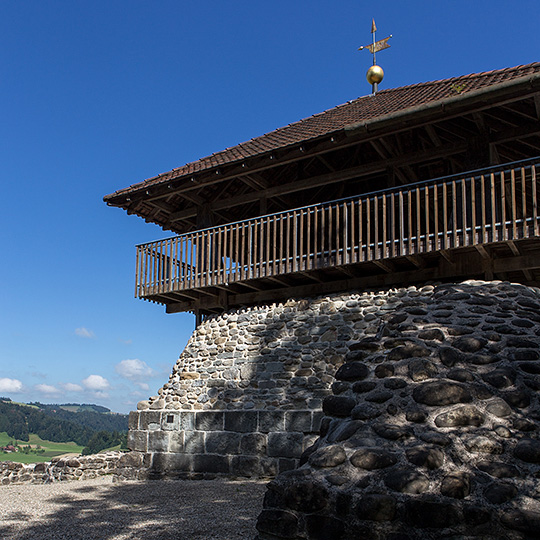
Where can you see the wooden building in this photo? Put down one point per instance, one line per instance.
(432, 181)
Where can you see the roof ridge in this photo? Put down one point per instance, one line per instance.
(459, 77)
(366, 96)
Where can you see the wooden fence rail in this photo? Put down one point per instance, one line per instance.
(488, 206)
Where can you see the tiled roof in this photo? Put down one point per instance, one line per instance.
(363, 109)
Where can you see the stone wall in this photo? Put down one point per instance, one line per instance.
(433, 428)
(245, 396)
(239, 443)
(119, 464)
(268, 357)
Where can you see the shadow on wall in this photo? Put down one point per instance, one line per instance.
(151, 510)
(434, 426)
(280, 356)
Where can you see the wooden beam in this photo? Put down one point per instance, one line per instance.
(435, 139)
(325, 179)
(483, 252)
(311, 276)
(416, 261)
(537, 105)
(447, 255)
(248, 285)
(494, 157)
(345, 271)
(515, 133)
(385, 265)
(325, 163)
(523, 112)
(515, 250)
(513, 264)
(480, 122)
(278, 280)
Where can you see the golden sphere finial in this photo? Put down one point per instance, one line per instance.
(375, 74)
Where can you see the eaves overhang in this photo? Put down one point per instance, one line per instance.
(199, 174)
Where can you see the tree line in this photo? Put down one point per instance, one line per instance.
(89, 429)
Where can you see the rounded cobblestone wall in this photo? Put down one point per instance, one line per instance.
(277, 356)
(432, 430)
(245, 397)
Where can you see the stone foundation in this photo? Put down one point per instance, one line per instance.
(238, 443)
(433, 428)
(245, 396)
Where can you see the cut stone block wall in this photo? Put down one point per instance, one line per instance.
(239, 443)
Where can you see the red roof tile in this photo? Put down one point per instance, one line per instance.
(363, 109)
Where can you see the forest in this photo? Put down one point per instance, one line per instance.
(93, 430)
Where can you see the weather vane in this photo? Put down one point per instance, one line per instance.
(375, 73)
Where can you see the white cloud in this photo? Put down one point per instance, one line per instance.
(47, 389)
(71, 387)
(96, 382)
(133, 369)
(143, 386)
(84, 332)
(10, 385)
(138, 394)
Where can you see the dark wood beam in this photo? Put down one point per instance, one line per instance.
(537, 105)
(524, 112)
(416, 261)
(312, 277)
(483, 252)
(494, 156)
(384, 265)
(447, 255)
(515, 250)
(326, 164)
(525, 262)
(330, 178)
(435, 139)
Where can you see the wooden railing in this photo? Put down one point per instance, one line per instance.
(492, 205)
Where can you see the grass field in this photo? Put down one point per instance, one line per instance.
(22, 404)
(70, 408)
(52, 449)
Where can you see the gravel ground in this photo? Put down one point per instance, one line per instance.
(155, 510)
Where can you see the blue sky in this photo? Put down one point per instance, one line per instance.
(98, 95)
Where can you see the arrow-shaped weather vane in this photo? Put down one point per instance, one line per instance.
(375, 73)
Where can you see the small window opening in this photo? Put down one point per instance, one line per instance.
(170, 419)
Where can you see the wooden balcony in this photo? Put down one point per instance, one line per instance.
(478, 224)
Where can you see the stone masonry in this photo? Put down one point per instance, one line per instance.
(120, 465)
(433, 428)
(245, 396)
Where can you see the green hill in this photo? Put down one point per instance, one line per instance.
(82, 425)
(35, 450)
(73, 407)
